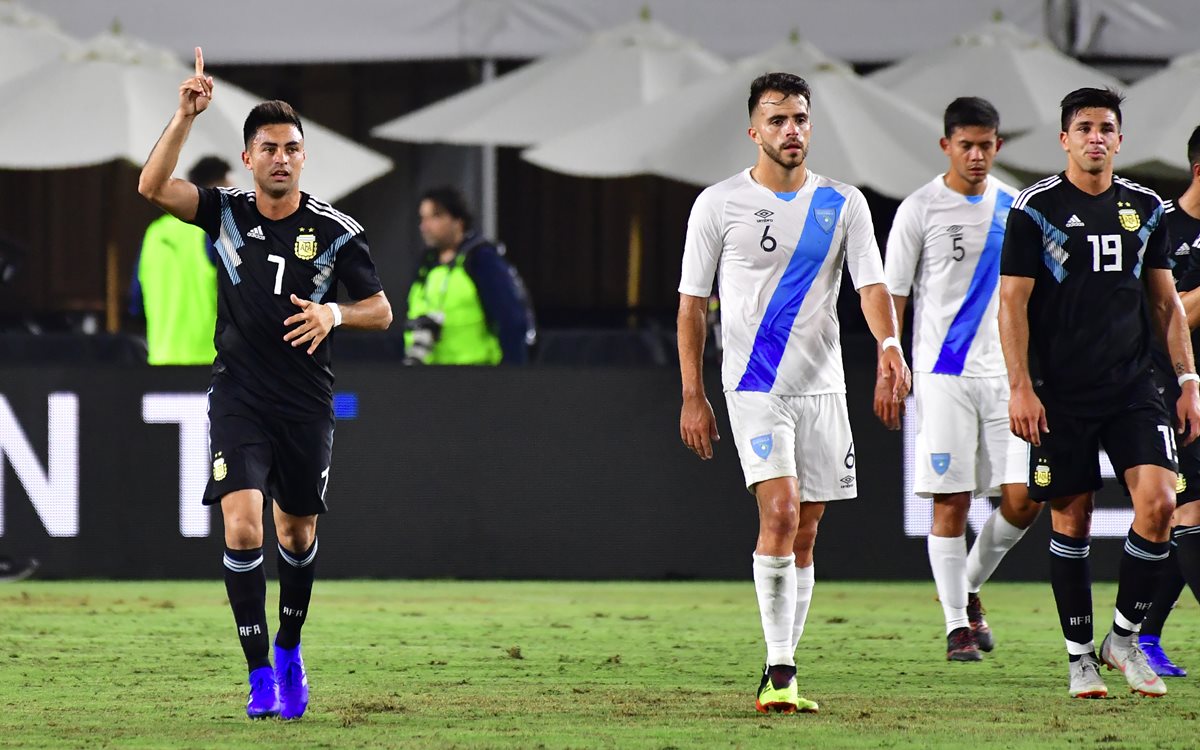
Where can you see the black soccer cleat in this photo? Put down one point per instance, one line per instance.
(979, 626)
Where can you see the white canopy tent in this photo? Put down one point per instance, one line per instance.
(125, 91)
(1022, 74)
(1158, 116)
(862, 134)
(28, 40)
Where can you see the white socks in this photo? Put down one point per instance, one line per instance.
(775, 584)
(948, 559)
(995, 539)
(805, 578)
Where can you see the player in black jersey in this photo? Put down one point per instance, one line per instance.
(1084, 266)
(282, 254)
(1183, 243)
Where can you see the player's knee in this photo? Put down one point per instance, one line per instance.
(243, 535)
(296, 537)
(1156, 510)
(780, 518)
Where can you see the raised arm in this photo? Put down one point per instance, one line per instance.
(1171, 322)
(177, 197)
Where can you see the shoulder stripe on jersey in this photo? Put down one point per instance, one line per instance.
(229, 241)
(806, 262)
(1134, 186)
(324, 209)
(1169, 206)
(1034, 189)
(1053, 239)
(1144, 232)
(961, 334)
(324, 278)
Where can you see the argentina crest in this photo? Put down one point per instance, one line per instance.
(1128, 216)
(306, 244)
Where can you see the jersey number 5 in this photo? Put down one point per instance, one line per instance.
(278, 273)
(1105, 247)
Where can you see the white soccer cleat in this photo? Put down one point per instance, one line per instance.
(1085, 678)
(1123, 653)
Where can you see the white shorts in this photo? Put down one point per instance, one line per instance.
(964, 443)
(807, 437)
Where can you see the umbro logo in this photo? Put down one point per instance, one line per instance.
(257, 233)
(763, 213)
(1074, 221)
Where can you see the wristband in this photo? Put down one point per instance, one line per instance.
(891, 341)
(1188, 376)
(337, 313)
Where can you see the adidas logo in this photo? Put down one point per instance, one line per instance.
(1183, 249)
(1074, 221)
(257, 233)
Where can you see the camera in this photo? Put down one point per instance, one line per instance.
(425, 330)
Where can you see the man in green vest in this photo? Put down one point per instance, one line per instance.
(175, 283)
(466, 305)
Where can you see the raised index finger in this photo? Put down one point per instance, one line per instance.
(199, 62)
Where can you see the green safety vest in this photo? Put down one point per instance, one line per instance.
(179, 292)
(466, 337)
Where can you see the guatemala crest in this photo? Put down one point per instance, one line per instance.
(1041, 475)
(940, 462)
(1180, 483)
(306, 244)
(219, 468)
(1130, 221)
(762, 445)
(825, 217)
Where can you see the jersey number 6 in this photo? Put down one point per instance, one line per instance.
(767, 243)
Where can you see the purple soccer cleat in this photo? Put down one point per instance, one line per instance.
(1159, 661)
(293, 681)
(264, 694)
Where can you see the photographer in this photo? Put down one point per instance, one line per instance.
(467, 305)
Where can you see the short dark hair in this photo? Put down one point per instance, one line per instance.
(1086, 98)
(787, 84)
(968, 111)
(274, 112)
(1194, 147)
(451, 201)
(209, 171)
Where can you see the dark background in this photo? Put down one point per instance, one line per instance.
(558, 473)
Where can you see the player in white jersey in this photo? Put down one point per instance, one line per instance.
(944, 250)
(775, 236)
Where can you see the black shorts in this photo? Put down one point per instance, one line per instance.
(1068, 461)
(286, 460)
(1187, 484)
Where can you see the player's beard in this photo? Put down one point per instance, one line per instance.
(787, 162)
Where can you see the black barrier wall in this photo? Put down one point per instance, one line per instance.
(440, 472)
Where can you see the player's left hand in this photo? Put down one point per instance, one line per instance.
(1187, 413)
(887, 408)
(894, 370)
(313, 323)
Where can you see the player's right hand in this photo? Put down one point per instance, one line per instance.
(1027, 416)
(196, 92)
(887, 408)
(698, 426)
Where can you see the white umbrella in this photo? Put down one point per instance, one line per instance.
(613, 71)
(862, 134)
(28, 40)
(1023, 75)
(1158, 116)
(110, 98)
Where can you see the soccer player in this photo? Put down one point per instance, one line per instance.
(944, 249)
(776, 236)
(1182, 218)
(1083, 270)
(271, 401)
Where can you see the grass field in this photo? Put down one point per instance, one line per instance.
(561, 665)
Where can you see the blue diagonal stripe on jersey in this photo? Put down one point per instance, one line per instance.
(324, 261)
(1053, 239)
(229, 241)
(776, 326)
(1144, 235)
(965, 325)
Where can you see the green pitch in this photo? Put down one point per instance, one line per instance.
(562, 665)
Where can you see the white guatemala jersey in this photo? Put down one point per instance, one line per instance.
(778, 262)
(944, 250)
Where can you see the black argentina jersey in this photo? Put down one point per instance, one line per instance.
(1088, 325)
(264, 262)
(1183, 245)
